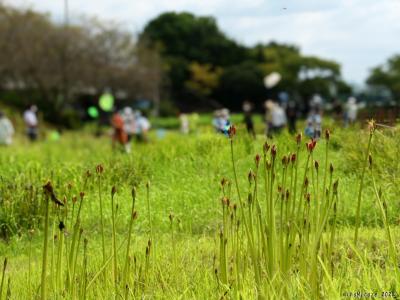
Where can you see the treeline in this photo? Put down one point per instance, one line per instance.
(179, 62)
(205, 67)
(64, 68)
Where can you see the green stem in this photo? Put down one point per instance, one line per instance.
(43, 292)
(360, 190)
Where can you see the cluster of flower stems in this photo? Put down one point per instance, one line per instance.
(285, 223)
(65, 261)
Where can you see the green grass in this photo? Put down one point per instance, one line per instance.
(183, 260)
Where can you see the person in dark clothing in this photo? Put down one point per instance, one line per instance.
(291, 114)
(337, 110)
(248, 118)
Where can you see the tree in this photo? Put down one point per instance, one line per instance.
(301, 75)
(241, 82)
(191, 46)
(58, 63)
(204, 78)
(387, 76)
(192, 38)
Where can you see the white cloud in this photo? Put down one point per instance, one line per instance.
(358, 33)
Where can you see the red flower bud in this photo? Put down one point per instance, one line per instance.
(232, 131)
(113, 191)
(257, 160)
(273, 151)
(293, 158)
(311, 145)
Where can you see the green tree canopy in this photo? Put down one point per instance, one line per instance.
(194, 47)
(193, 38)
(387, 76)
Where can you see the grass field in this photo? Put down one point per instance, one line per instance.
(192, 234)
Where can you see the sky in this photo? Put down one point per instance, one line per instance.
(359, 34)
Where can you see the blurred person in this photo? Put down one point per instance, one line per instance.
(6, 130)
(351, 110)
(119, 136)
(248, 118)
(185, 124)
(291, 113)
(129, 125)
(142, 126)
(316, 101)
(129, 122)
(275, 118)
(314, 123)
(226, 122)
(337, 110)
(221, 121)
(31, 122)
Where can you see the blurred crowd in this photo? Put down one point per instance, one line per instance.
(128, 124)
(280, 115)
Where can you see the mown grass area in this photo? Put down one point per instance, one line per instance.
(178, 207)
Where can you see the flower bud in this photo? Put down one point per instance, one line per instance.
(232, 131)
(223, 181)
(311, 145)
(308, 197)
(251, 176)
(371, 126)
(293, 158)
(99, 169)
(316, 165)
(113, 191)
(327, 134)
(257, 160)
(298, 138)
(273, 151)
(61, 226)
(335, 186)
(266, 147)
